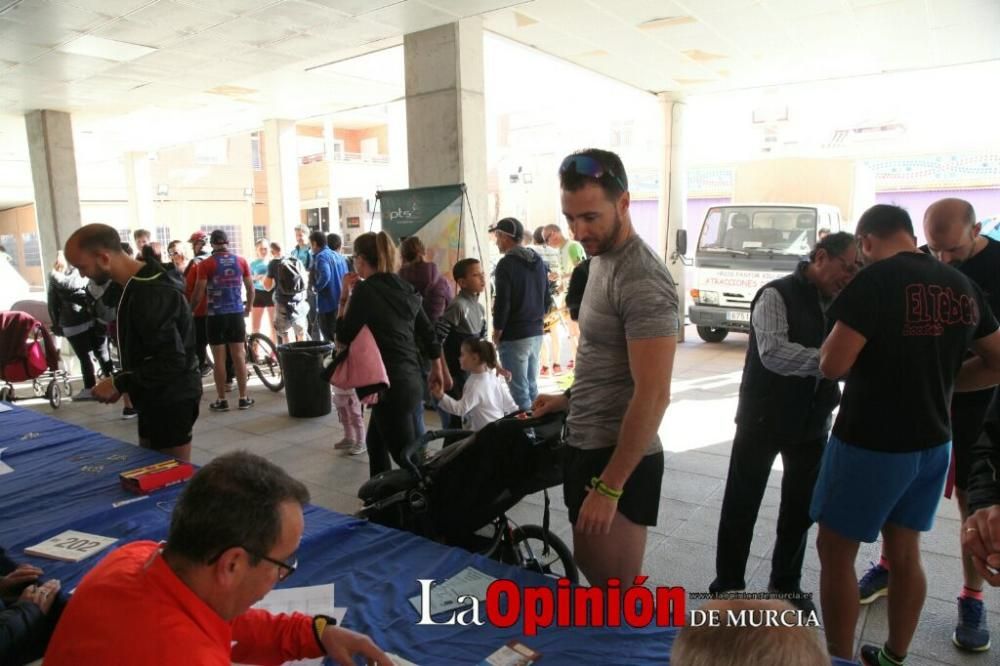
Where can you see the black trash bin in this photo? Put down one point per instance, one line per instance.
(306, 392)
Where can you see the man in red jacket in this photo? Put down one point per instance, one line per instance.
(188, 601)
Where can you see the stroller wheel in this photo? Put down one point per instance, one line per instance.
(54, 394)
(556, 561)
(36, 388)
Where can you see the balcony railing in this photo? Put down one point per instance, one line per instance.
(363, 158)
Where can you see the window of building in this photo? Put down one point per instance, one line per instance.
(126, 236)
(9, 243)
(232, 233)
(259, 231)
(163, 237)
(32, 251)
(255, 160)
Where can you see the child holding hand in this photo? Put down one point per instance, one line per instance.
(485, 396)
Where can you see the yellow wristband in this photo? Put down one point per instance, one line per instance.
(605, 489)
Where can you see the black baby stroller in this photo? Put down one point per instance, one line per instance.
(460, 496)
(28, 354)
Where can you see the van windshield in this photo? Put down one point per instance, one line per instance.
(750, 230)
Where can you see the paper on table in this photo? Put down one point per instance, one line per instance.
(4, 467)
(314, 600)
(5, 407)
(399, 661)
(469, 582)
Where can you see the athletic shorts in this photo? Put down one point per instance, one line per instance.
(640, 500)
(262, 299)
(169, 425)
(860, 490)
(968, 411)
(226, 328)
(288, 316)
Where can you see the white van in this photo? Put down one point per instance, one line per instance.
(741, 248)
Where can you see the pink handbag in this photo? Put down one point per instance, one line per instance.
(360, 367)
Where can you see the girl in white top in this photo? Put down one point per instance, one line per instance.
(485, 396)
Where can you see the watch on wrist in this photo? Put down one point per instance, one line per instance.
(320, 623)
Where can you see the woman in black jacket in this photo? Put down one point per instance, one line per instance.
(377, 297)
(71, 318)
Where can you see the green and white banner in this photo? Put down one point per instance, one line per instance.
(434, 214)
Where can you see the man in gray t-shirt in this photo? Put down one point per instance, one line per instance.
(628, 328)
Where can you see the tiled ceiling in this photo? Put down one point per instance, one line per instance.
(694, 46)
(223, 66)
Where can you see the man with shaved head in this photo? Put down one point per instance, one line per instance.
(953, 237)
(155, 340)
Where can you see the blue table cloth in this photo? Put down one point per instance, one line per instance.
(66, 477)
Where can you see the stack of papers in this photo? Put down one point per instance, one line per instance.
(70, 546)
(469, 582)
(313, 600)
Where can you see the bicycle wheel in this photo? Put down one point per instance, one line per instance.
(263, 356)
(530, 550)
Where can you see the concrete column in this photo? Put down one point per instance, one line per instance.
(140, 192)
(446, 116)
(281, 166)
(673, 195)
(53, 173)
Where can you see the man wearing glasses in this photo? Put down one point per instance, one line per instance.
(628, 335)
(233, 536)
(903, 327)
(784, 408)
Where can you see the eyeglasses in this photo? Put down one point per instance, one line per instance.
(285, 569)
(585, 165)
(849, 267)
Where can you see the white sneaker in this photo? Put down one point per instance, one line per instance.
(344, 444)
(357, 449)
(84, 394)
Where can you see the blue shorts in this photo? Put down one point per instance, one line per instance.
(860, 490)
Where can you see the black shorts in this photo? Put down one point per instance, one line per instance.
(640, 501)
(226, 328)
(968, 411)
(169, 425)
(263, 299)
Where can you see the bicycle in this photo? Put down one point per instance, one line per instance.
(262, 356)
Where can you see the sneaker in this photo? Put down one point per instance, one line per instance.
(545, 371)
(246, 403)
(84, 394)
(129, 413)
(870, 657)
(344, 444)
(205, 370)
(801, 600)
(874, 584)
(556, 369)
(971, 632)
(357, 448)
(219, 406)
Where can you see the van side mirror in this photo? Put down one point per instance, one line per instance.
(681, 242)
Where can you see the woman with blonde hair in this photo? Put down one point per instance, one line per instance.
(375, 296)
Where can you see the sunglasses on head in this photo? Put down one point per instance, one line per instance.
(585, 165)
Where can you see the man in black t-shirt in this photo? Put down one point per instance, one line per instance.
(903, 327)
(953, 237)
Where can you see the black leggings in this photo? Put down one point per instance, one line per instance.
(391, 425)
(83, 344)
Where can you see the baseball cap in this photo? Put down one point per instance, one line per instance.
(510, 226)
(197, 237)
(218, 237)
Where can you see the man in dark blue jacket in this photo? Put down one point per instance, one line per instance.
(520, 302)
(327, 271)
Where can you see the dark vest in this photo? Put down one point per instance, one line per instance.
(789, 408)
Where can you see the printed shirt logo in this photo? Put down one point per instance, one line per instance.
(931, 307)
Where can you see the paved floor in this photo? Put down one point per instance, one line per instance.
(696, 432)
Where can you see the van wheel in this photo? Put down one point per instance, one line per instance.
(709, 334)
